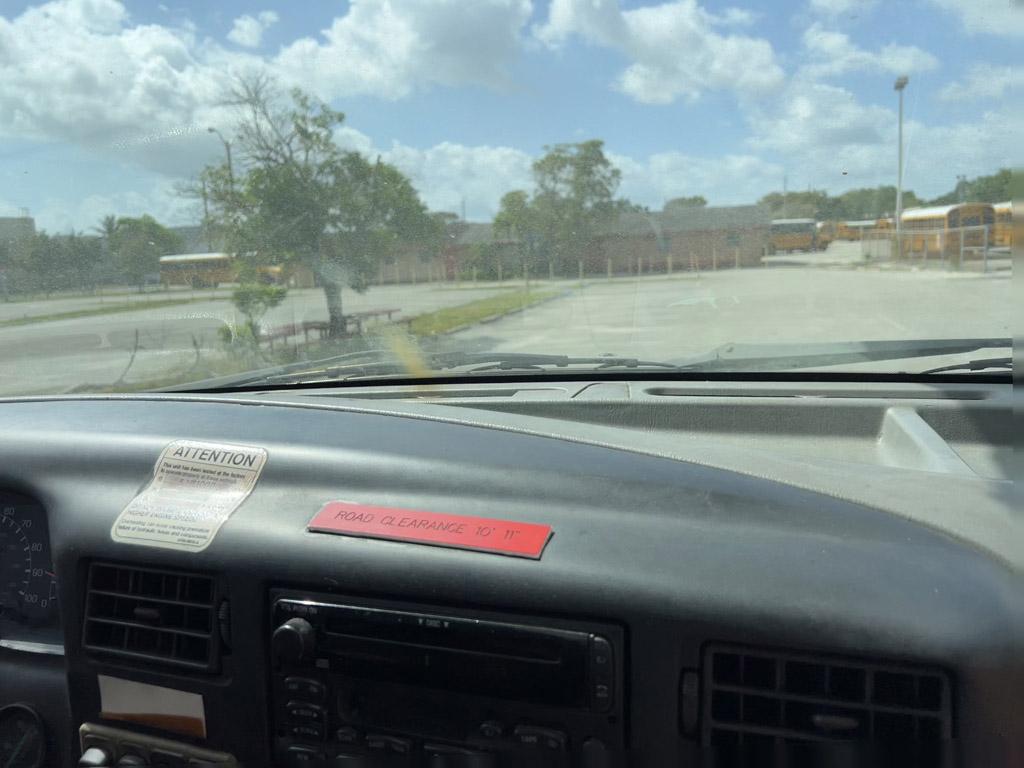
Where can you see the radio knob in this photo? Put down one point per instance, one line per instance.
(294, 641)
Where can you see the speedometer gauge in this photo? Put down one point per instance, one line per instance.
(27, 585)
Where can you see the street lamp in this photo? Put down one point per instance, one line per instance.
(227, 150)
(898, 86)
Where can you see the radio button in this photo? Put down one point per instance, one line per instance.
(543, 738)
(394, 744)
(304, 712)
(491, 729)
(346, 735)
(600, 654)
(304, 688)
(308, 732)
(302, 756)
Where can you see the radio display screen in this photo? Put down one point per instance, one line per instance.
(509, 661)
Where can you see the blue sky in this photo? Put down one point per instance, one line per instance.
(104, 104)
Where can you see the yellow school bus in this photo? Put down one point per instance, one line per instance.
(199, 270)
(940, 228)
(826, 233)
(1002, 233)
(793, 235)
(854, 230)
(208, 270)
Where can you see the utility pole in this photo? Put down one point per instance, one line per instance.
(227, 150)
(899, 85)
(206, 217)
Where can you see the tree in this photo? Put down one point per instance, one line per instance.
(995, 188)
(697, 201)
(138, 244)
(254, 299)
(295, 196)
(574, 196)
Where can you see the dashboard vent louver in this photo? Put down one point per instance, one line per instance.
(153, 615)
(766, 702)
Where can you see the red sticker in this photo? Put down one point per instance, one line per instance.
(484, 534)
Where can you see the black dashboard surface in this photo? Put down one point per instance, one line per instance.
(680, 555)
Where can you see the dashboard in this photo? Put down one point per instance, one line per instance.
(565, 574)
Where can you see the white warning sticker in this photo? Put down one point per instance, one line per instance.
(195, 488)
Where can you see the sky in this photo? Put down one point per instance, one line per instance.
(105, 105)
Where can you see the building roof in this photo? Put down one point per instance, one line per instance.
(793, 221)
(185, 258)
(696, 219)
(861, 223)
(15, 227)
(1007, 206)
(928, 212)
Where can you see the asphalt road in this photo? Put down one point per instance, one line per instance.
(658, 318)
(56, 355)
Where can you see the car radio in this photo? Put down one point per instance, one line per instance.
(368, 683)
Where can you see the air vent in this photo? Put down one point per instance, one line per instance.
(759, 703)
(152, 615)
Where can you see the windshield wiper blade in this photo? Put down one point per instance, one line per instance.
(517, 361)
(783, 357)
(975, 365)
(383, 363)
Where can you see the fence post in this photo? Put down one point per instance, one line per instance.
(474, 275)
(380, 274)
(581, 270)
(984, 253)
(551, 270)
(714, 258)
(668, 264)
(736, 257)
(499, 271)
(639, 265)
(609, 268)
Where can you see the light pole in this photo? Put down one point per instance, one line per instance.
(899, 85)
(227, 150)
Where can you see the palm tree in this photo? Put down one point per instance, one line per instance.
(107, 228)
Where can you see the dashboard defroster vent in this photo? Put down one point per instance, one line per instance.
(153, 615)
(769, 702)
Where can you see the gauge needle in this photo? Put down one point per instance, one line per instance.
(17, 750)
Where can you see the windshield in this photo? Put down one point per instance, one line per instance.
(197, 192)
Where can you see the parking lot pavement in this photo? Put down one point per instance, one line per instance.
(666, 319)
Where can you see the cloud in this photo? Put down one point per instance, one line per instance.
(160, 199)
(826, 138)
(247, 30)
(728, 180)
(984, 82)
(841, 7)
(81, 72)
(390, 49)
(833, 53)
(1004, 18)
(76, 71)
(448, 174)
(674, 48)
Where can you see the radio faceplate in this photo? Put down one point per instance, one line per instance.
(410, 685)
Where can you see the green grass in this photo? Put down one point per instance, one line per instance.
(452, 318)
(107, 310)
